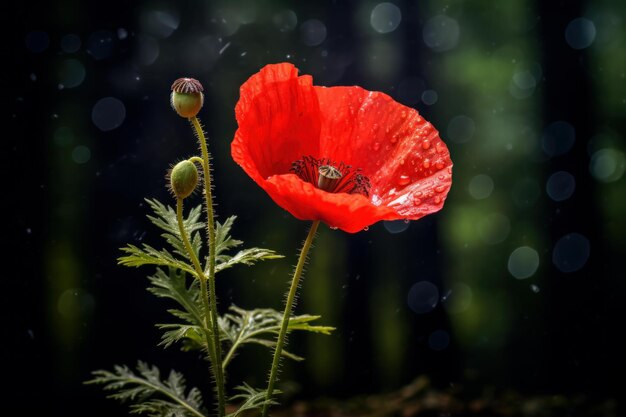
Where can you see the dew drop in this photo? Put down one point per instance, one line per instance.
(426, 163)
(426, 144)
(402, 162)
(439, 147)
(403, 114)
(366, 228)
(419, 194)
(440, 188)
(439, 164)
(416, 201)
(333, 227)
(393, 139)
(437, 199)
(376, 146)
(407, 221)
(404, 180)
(441, 177)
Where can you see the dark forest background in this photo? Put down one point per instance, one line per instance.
(525, 261)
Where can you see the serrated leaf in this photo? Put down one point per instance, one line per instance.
(150, 394)
(260, 326)
(252, 399)
(165, 219)
(245, 257)
(147, 255)
(191, 334)
(224, 242)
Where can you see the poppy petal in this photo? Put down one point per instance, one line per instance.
(278, 116)
(408, 165)
(348, 212)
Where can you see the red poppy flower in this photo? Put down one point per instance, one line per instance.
(343, 155)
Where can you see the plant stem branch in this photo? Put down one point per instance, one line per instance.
(212, 298)
(208, 331)
(291, 295)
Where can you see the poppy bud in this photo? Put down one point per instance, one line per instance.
(183, 179)
(187, 98)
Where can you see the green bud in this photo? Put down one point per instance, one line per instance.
(183, 179)
(187, 98)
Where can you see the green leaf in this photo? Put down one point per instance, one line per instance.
(165, 219)
(224, 242)
(246, 257)
(148, 393)
(147, 255)
(174, 286)
(260, 326)
(252, 399)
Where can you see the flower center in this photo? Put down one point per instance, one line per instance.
(330, 176)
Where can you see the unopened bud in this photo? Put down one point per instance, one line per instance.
(187, 98)
(183, 179)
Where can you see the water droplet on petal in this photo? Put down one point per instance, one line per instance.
(439, 164)
(394, 139)
(376, 146)
(333, 227)
(403, 114)
(439, 147)
(404, 180)
(440, 188)
(426, 163)
(426, 144)
(407, 221)
(366, 228)
(437, 199)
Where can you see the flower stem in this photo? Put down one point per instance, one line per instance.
(212, 299)
(208, 332)
(291, 295)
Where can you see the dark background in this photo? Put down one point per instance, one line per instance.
(519, 90)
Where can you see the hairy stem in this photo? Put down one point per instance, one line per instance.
(209, 334)
(212, 299)
(291, 295)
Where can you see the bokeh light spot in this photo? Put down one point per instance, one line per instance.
(494, 228)
(70, 43)
(580, 33)
(523, 262)
(423, 297)
(607, 165)
(461, 129)
(481, 186)
(108, 113)
(396, 226)
(558, 138)
(81, 154)
(560, 186)
(385, 17)
(441, 33)
(438, 340)
(71, 73)
(571, 252)
(313, 32)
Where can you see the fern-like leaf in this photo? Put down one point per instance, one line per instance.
(224, 242)
(165, 219)
(147, 255)
(260, 326)
(148, 393)
(252, 399)
(174, 286)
